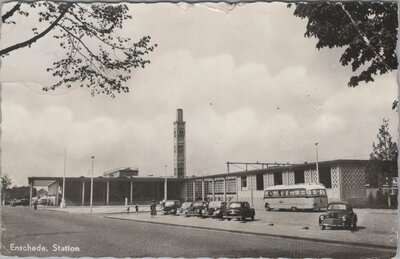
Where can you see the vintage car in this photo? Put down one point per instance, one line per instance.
(171, 207)
(19, 202)
(197, 209)
(215, 209)
(185, 207)
(338, 214)
(239, 210)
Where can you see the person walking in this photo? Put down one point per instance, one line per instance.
(153, 208)
(137, 208)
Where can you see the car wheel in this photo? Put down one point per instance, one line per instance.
(229, 219)
(354, 225)
(322, 227)
(252, 218)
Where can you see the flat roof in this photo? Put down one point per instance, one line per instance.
(52, 179)
(291, 168)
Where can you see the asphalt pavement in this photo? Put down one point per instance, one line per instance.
(77, 235)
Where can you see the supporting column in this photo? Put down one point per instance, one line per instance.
(251, 189)
(194, 191)
(83, 193)
(108, 193)
(30, 193)
(213, 189)
(202, 190)
(224, 189)
(238, 185)
(57, 193)
(131, 193)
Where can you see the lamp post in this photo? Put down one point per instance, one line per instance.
(91, 185)
(316, 147)
(63, 204)
(165, 184)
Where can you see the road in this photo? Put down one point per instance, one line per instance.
(96, 236)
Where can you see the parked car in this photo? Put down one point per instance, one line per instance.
(338, 214)
(215, 209)
(42, 201)
(171, 207)
(185, 207)
(197, 209)
(20, 202)
(239, 210)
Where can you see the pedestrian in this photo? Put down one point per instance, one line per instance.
(137, 208)
(153, 208)
(127, 209)
(35, 203)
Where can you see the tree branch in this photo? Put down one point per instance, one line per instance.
(11, 12)
(40, 35)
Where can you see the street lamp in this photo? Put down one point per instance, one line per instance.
(165, 184)
(63, 204)
(91, 185)
(316, 147)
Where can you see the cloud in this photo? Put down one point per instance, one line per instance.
(251, 86)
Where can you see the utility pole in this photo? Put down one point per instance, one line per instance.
(165, 184)
(316, 146)
(63, 204)
(91, 185)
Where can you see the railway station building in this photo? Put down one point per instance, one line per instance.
(355, 181)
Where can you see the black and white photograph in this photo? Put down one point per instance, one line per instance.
(199, 130)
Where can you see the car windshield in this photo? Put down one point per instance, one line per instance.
(235, 205)
(186, 205)
(170, 203)
(215, 204)
(337, 206)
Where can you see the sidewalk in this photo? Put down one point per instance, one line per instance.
(360, 237)
(374, 229)
(111, 209)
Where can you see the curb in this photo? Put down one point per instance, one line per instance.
(369, 245)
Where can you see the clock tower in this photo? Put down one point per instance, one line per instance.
(179, 146)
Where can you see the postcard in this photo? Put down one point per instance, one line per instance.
(247, 129)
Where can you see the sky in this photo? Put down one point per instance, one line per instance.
(251, 86)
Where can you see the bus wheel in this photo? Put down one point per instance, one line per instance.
(267, 208)
(322, 227)
(294, 209)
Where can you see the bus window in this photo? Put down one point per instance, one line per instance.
(297, 192)
(318, 192)
(275, 193)
(291, 192)
(302, 191)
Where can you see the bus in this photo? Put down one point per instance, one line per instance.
(295, 197)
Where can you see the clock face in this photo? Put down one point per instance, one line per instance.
(181, 132)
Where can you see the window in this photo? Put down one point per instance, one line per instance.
(278, 178)
(260, 182)
(275, 193)
(302, 191)
(298, 176)
(325, 176)
(244, 182)
(318, 192)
